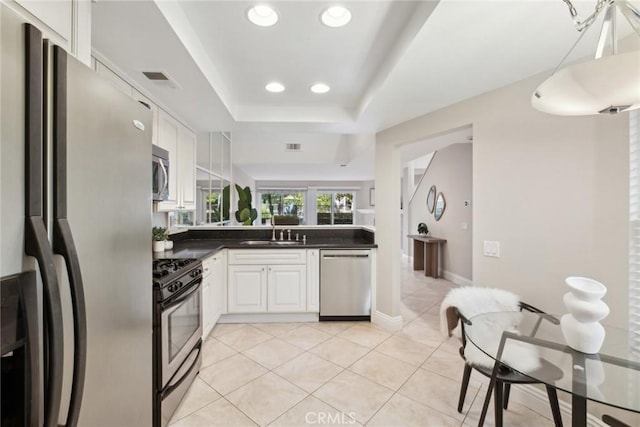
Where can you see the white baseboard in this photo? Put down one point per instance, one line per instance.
(389, 323)
(268, 317)
(458, 280)
(538, 401)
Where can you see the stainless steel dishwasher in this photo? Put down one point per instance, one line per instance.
(345, 284)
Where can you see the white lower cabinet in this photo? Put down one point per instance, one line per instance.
(219, 290)
(267, 281)
(313, 280)
(247, 288)
(214, 290)
(287, 289)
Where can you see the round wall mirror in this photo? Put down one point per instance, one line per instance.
(440, 205)
(431, 199)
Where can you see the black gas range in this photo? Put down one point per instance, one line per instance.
(177, 333)
(171, 275)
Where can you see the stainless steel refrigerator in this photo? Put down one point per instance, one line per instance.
(75, 206)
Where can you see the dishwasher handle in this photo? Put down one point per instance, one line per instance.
(334, 256)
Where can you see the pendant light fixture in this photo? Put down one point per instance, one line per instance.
(605, 85)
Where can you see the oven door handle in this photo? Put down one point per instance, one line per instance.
(167, 391)
(182, 297)
(166, 178)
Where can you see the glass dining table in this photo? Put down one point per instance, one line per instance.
(611, 377)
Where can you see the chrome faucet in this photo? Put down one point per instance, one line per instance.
(273, 228)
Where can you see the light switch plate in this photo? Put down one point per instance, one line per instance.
(491, 248)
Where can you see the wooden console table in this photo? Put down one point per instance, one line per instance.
(426, 252)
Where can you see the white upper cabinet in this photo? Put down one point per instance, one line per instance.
(186, 169)
(66, 22)
(168, 139)
(180, 142)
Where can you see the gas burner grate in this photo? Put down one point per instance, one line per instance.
(165, 267)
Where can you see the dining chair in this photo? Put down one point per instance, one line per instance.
(485, 300)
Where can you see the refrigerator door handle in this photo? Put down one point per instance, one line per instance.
(63, 243)
(36, 238)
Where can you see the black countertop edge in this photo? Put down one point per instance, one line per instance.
(204, 248)
(355, 233)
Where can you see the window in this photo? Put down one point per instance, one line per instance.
(282, 203)
(335, 208)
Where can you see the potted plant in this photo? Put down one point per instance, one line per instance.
(159, 236)
(245, 214)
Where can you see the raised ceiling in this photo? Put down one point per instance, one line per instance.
(394, 61)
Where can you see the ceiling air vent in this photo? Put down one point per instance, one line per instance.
(293, 147)
(161, 78)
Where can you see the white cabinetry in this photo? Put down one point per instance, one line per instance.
(267, 281)
(186, 169)
(180, 142)
(313, 280)
(286, 288)
(219, 282)
(214, 290)
(247, 289)
(207, 300)
(66, 22)
(168, 139)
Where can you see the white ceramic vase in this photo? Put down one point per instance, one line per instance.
(158, 246)
(581, 326)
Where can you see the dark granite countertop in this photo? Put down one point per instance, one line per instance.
(204, 243)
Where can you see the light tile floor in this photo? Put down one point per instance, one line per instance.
(341, 373)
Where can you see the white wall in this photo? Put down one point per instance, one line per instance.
(450, 172)
(552, 190)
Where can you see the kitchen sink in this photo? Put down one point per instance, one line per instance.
(270, 242)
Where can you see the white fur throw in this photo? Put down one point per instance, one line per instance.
(472, 301)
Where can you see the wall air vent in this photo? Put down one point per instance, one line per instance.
(161, 78)
(293, 147)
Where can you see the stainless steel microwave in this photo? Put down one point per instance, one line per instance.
(160, 169)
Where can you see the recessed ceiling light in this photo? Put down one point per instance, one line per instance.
(275, 87)
(336, 16)
(262, 15)
(320, 88)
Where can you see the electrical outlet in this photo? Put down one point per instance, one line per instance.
(467, 202)
(491, 248)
